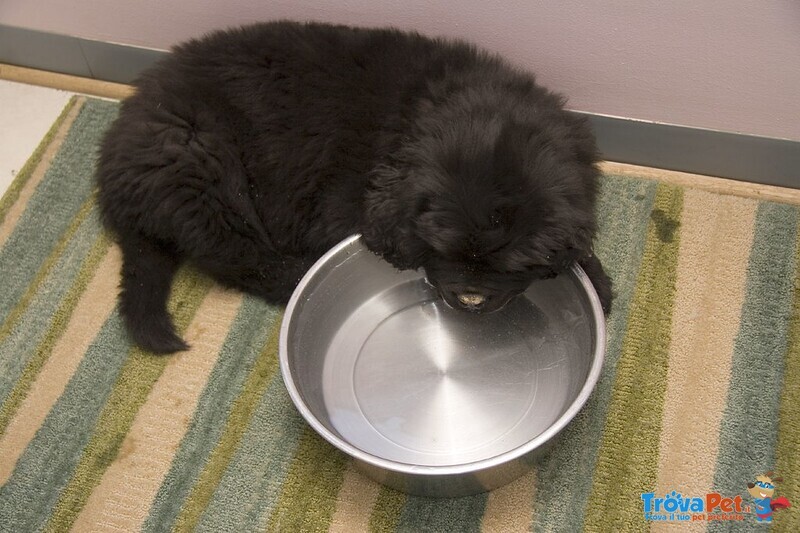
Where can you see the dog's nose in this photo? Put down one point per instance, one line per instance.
(472, 300)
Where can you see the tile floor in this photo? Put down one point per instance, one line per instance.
(26, 113)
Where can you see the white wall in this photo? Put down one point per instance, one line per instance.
(723, 64)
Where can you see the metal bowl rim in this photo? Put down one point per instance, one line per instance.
(438, 470)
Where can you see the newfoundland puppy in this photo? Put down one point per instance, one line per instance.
(250, 152)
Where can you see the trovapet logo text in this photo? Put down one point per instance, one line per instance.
(675, 507)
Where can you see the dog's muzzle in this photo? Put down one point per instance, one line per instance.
(471, 299)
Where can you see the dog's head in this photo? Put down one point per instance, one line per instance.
(486, 205)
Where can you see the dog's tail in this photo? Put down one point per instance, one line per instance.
(147, 273)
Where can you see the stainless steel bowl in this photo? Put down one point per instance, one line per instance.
(428, 399)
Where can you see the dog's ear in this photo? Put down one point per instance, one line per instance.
(390, 208)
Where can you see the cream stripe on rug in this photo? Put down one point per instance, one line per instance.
(354, 503)
(38, 173)
(90, 313)
(121, 501)
(716, 237)
(510, 508)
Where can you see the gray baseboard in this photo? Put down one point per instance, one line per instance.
(738, 156)
(74, 55)
(699, 151)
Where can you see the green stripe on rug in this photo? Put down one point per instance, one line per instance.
(251, 485)
(624, 207)
(20, 342)
(12, 193)
(308, 498)
(787, 454)
(241, 412)
(243, 345)
(136, 378)
(45, 269)
(58, 324)
(628, 456)
(44, 468)
(63, 192)
(387, 510)
(749, 427)
(454, 515)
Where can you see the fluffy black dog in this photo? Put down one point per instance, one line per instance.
(251, 152)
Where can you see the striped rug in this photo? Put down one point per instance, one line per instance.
(699, 394)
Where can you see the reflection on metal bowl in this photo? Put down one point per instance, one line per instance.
(428, 399)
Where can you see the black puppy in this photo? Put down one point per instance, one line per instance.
(251, 152)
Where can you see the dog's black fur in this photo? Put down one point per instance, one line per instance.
(250, 152)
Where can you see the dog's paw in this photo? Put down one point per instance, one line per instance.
(160, 341)
(155, 334)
